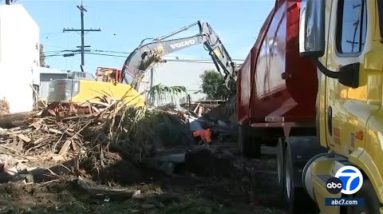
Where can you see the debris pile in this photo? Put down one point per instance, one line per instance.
(95, 134)
(99, 158)
(103, 140)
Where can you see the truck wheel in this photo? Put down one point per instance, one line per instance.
(371, 201)
(280, 166)
(248, 146)
(294, 196)
(298, 151)
(289, 188)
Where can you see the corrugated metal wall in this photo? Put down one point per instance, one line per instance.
(44, 83)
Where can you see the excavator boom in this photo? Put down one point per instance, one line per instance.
(147, 54)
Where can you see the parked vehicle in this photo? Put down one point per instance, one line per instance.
(317, 95)
(276, 91)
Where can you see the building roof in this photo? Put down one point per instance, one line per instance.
(44, 70)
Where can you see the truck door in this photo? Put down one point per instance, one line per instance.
(348, 109)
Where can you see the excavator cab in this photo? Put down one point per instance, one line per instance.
(108, 75)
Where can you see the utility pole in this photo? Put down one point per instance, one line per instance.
(82, 30)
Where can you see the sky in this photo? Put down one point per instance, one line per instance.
(124, 23)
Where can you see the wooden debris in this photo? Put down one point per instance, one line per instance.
(64, 149)
(101, 191)
(57, 158)
(3, 131)
(24, 138)
(84, 133)
(61, 127)
(55, 131)
(196, 108)
(38, 140)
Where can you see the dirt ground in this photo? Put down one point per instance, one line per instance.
(220, 182)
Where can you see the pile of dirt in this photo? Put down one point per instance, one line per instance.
(248, 187)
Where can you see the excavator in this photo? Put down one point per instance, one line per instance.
(147, 54)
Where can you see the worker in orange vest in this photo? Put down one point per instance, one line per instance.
(204, 134)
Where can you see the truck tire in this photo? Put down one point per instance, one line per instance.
(371, 201)
(248, 145)
(292, 193)
(280, 163)
(298, 151)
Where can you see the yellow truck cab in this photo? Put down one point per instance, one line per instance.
(345, 39)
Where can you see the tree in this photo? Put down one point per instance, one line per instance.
(213, 85)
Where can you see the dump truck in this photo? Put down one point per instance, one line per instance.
(312, 86)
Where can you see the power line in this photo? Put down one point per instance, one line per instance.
(124, 54)
(104, 54)
(50, 55)
(101, 51)
(204, 61)
(118, 52)
(82, 30)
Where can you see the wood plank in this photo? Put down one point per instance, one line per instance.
(64, 149)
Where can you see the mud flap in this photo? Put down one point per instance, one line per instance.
(249, 145)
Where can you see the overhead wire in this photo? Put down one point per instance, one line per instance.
(103, 54)
(122, 54)
(95, 50)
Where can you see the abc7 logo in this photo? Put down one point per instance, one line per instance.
(348, 180)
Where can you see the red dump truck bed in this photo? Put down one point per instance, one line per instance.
(275, 84)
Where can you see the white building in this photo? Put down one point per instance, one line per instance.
(180, 73)
(19, 57)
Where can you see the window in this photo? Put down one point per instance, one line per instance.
(352, 26)
(380, 8)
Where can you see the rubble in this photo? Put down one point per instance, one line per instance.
(107, 192)
(71, 158)
(92, 137)
(90, 133)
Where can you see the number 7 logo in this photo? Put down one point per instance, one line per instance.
(352, 179)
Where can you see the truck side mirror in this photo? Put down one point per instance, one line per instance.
(312, 28)
(312, 42)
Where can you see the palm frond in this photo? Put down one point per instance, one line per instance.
(161, 92)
